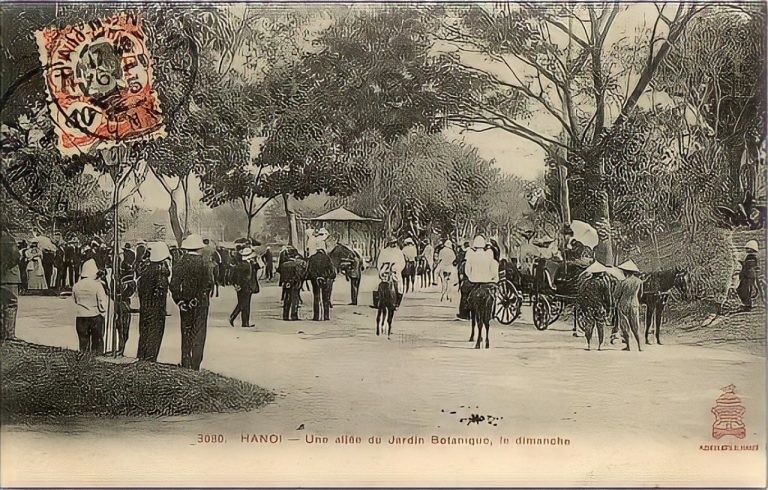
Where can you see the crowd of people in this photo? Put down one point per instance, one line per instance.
(193, 272)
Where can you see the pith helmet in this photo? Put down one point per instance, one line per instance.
(193, 242)
(479, 242)
(158, 252)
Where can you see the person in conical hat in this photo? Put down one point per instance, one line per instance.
(750, 271)
(627, 296)
(595, 268)
(594, 302)
(191, 285)
(153, 292)
(91, 300)
(629, 266)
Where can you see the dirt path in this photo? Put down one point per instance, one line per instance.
(629, 417)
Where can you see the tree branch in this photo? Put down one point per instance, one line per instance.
(572, 35)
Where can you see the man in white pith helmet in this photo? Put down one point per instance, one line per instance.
(480, 267)
(191, 285)
(392, 261)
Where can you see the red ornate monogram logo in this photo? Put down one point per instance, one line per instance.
(729, 413)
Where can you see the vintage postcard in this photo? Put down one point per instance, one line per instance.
(383, 244)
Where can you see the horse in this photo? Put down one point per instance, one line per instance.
(386, 304)
(423, 272)
(293, 271)
(482, 304)
(656, 288)
(342, 257)
(409, 275)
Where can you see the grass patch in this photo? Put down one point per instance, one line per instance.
(696, 324)
(41, 382)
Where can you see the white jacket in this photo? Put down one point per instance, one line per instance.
(410, 253)
(394, 257)
(481, 267)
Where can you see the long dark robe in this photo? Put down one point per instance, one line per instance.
(153, 291)
(748, 279)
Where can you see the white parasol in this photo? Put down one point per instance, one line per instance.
(44, 243)
(584, 233)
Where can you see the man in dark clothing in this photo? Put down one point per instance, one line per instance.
(176, 253)
(22, 247)
(268, 264)
(129, 258)
(353, 273)
(153, 291)
(49, 257)
(224, 261)
(10, 278)
(58, 263)
(191, 284)
(102, 255)
(292, 272)
(216, 259)
(287, 253)
(242, 279)
(125, 289)
(71, 272)
(464, 285)
(494, 246)
(321, 274)
(748, 275)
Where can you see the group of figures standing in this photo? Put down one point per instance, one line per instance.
(604, 295)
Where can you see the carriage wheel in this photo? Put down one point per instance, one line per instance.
(508, 302)
(542, 312)
(557, 306)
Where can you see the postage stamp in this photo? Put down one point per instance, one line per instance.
(99, 80)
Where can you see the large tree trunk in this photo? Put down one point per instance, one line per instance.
(290, 216)
(173, 214)
(604, 249)
(601, 211)
(185, 188)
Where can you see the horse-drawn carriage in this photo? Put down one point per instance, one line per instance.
(548, 288)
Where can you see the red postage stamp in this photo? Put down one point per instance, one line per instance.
(99, 80)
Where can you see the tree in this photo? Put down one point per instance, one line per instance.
(557, 62)
(369, 71)
(176, 36)
(43, 191)
(507, 210)
(421, 184)
(718, 73)
(267, 42)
